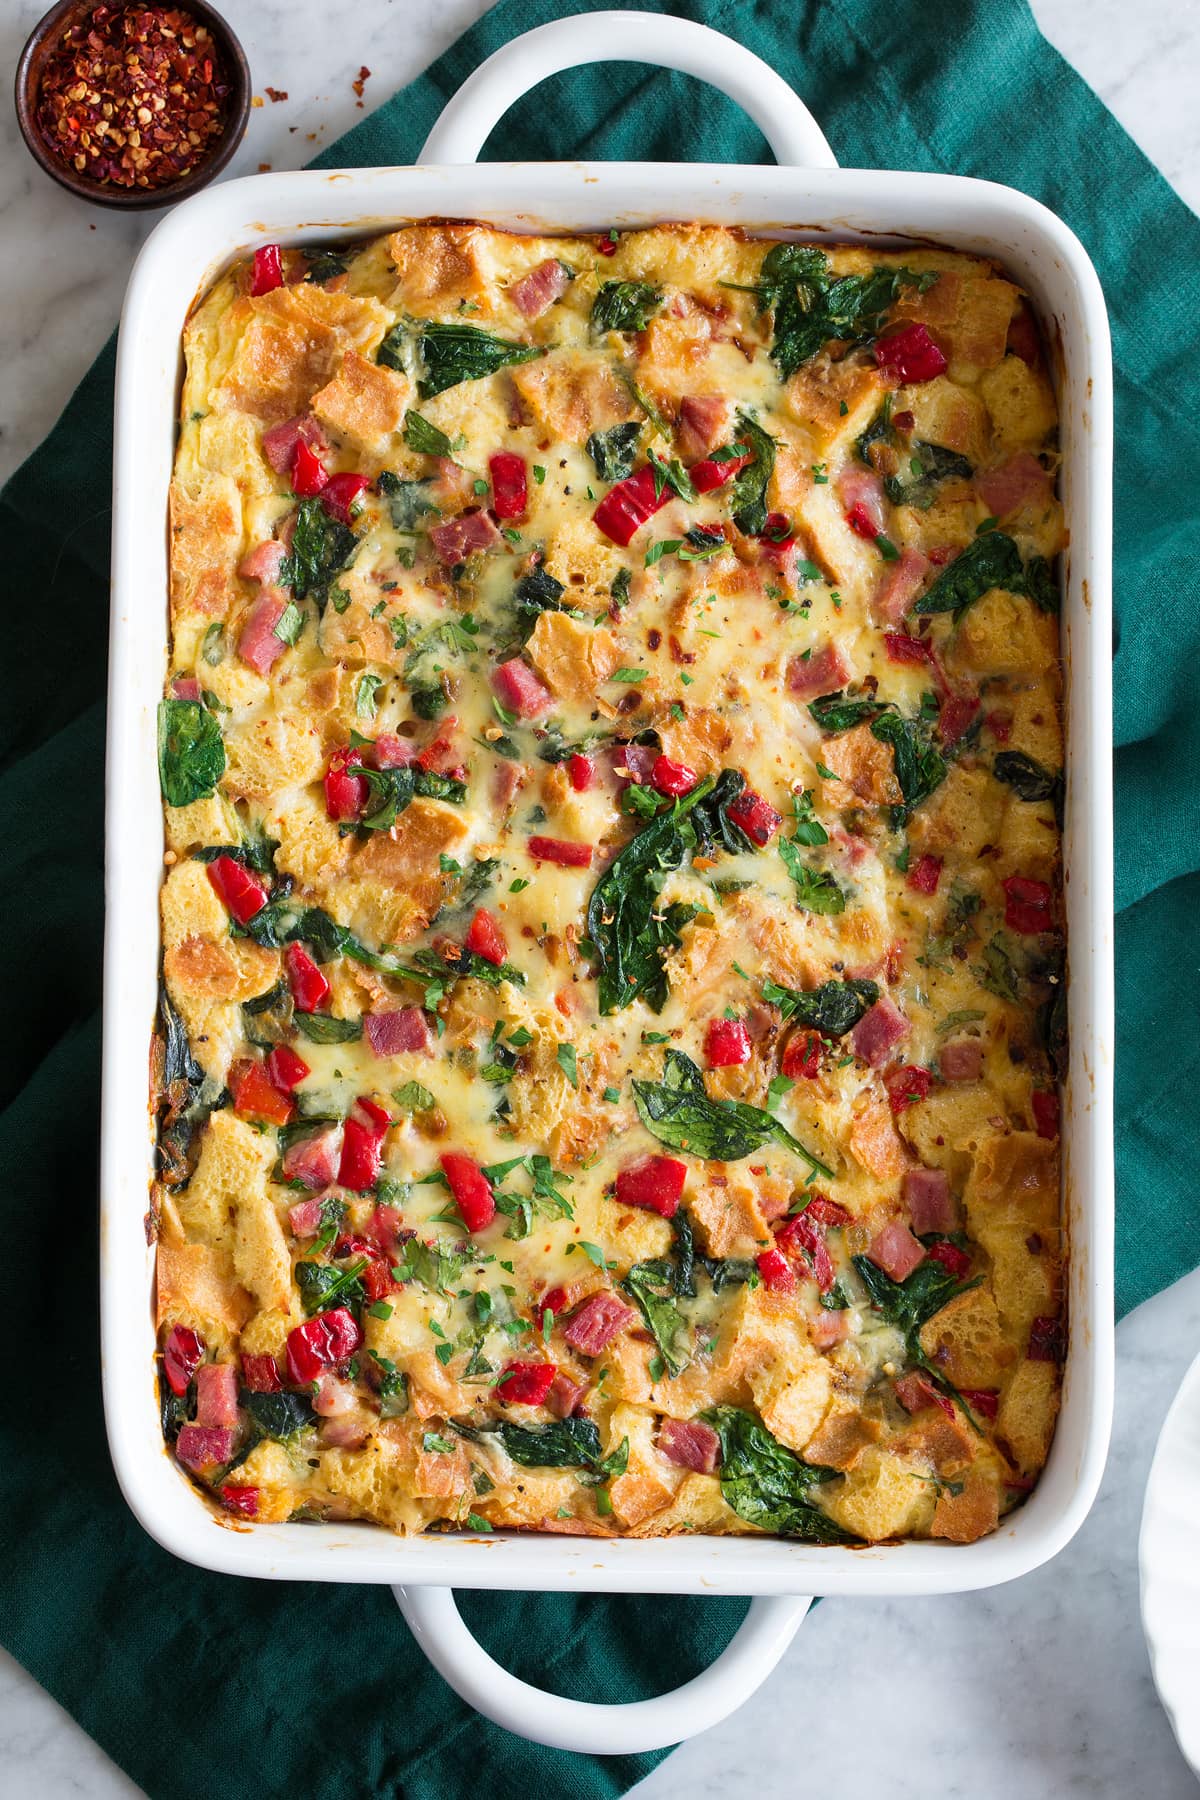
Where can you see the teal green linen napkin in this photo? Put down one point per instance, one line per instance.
(198, 1684)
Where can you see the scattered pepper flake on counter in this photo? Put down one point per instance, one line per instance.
(275, 95)
(133, 96)
(360, 81)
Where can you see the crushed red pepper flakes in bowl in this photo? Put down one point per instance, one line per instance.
(132, 104)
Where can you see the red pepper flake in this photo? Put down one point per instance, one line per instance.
(364, 75)
(275, 95)
(133, 96)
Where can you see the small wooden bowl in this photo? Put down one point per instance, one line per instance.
(42, 42)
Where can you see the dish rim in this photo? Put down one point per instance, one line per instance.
(180, 259)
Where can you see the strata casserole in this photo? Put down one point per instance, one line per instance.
(612, 967)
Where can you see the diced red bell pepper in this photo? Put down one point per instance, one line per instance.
(802, 1056)
(1000, 725)
(1045, 1112)
(755, 816)
(1047, 1340)
(309, 474)
(286, 1069)
(362, 1146)
(924, 875)
(255, 1095)
(654, 1182)
(906, 1086)
(628, 504)
(345, 792)
(712, 473)
(726, 1043)
(671, 777)
(957, 714)
(827, 1211)
(805, 1235)
(558, 850)
(554, 1300)
(471, 1189)
(1027, 905)
(956, 1262)
(242, 1500)
(240, 891)
(526, 1383)
(320, 1343)
(310, 989)
(485, 937)
(510, 493)
(910, 355)
(776, 1271)
(861, 523)
(904, 649)
(260, 1374)
(267, 272)
(607, 245)
(377, 1280)
(904, 421)
(984, 1401)
(340, 492)
(183, 1353)
(580, 770)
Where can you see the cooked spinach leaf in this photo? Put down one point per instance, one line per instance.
(1041, 584)
(990, 561)
(910, 1304)
(321, 547)
(749, 489)
(323, 1285)
(630, 931)
(879, 431)
(710, 820)
(614, 451)
(652, 1286)
(767, 1484)
(186, 1098)
(425, 438)
(408, 501)
(833, 1009)
(843, 709)
(191, 752)
(678, 1112)
(454, 353)
(278, 1416)
(565, 1444)
(323, 1028)
(928, 466)
(920, 766)
(625, 306)
(1028, 779)
(999, 974)
(813, 307)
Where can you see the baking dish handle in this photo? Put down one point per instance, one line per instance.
(621, 1730)
(483, 99)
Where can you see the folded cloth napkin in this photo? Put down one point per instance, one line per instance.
(199, 1684)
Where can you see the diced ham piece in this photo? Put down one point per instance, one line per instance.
(392, 752)
(459, 538)
(899, 586)
(634, 764)
(216, 1395)
(520, 690)
(264, 562)
(1019, 482)
(385, 1229)
(279, 443)
(896, 1251)
(1044, 1103)
(312, 1161)
(333, 1397)
(185, 687)
(926, 1193)
(961, 1059)
(305, 1217)
(397, 1033)
(957, 715)
(199, 1448)
(508, 778)
(818, 673)
(689, 1444)
(915, 1392)
(880, 1029)
(540, 288)
(827, 1328)
(594, 1325)
(862, 488)
(703, 424)
(348, 1431)
(564, 1396)
(258, 644)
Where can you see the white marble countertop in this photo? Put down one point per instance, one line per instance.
(1041, 1688)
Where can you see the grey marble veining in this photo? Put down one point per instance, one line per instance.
(1040, 1689)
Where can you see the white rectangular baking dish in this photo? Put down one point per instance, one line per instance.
(810, 196)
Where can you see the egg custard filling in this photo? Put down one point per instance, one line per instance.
(612, 1001)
